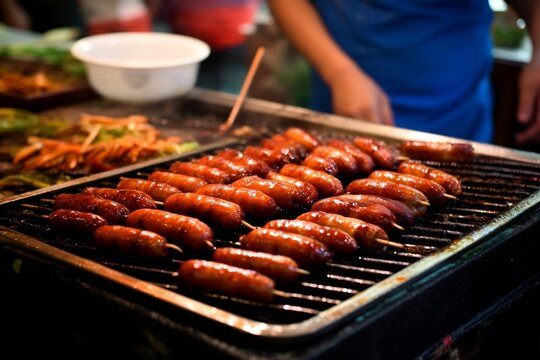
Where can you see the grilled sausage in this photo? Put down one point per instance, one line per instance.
(112, 211)
(131, 241)
(279, 268)
(215, 277)
(404, 214)
(406, 194)
(73, 222)
(306, 188)
(254, 165)
(433, 191)
(254, 203)
(346, 163)
(157, 190)
(293, 151)
(209, 174)
(132, 199)
(318, 162)
(337, 241)
(287, 196)
(326, 184)
(364, 233)
(364, 162)
(440, 151)
(451, 184)
(307, 252)
(369, 212)
(184, 231)
(184, 183)
(302, 137)
(383, 155)
(216, 211)
(234, 170)
(274, 159)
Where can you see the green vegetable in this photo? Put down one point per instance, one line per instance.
(15, 120)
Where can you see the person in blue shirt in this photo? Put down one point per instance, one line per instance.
(417, 64)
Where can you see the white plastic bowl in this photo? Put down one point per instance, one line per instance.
(141, 67)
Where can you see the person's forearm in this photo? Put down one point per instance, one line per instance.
(302, 25)
(529, 10)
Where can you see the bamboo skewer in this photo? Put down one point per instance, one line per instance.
(243, 91)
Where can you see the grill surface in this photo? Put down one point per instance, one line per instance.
(495, 189)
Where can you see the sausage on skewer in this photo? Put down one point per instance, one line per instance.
(112, 211)
(132, 199)
(449, 182)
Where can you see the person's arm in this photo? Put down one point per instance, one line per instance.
(12, 14)
(529, 83)
(354, 93)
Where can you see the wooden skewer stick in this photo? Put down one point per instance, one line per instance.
(281, 293)
(390, 243)
(397, 226)
(425, 203)
(248, 225)
(174, 247)
(403, 158)
(448, 196)
(243, 91)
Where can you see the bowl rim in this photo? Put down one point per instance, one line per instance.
(77, 50)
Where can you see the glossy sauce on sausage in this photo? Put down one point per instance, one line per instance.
(306, 188)
(131, 241)
(441, 151)
(326, 184)
(184, 183)
(209, 174)
(73, 222)
(318, 162)
(383, 155)
(364, 162)
(132, 199)
(346, 163)
(254, 165)
(157, 190)
(112, 211)
(449, 182)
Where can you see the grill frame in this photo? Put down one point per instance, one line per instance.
(364, 308)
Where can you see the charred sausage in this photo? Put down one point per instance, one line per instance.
(338, 241)
(451, 184)
(216, 211)
(279, 268)
(306, 188)
(209, 174)
(132, 199)
(372, 213)
(306, 251)
(440, 151)
(131, 241)
(254, 203)
(112, 211)
(157, 190)
(211, 276)
(364, 162)
(383, 155)
(433, 191)
(318, 162)
(184, 231)
(326, 184)
(346, 163)
(273, 158)
(365, 234)
(73, 222)
(182, 182)
(404, 214)
(406, 194)
(254, 165)
(234, 170)
(293, 151)
(287, 196)
(302, 137)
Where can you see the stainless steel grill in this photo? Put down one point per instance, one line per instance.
(500, 186)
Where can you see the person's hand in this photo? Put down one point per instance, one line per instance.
(529, 104)
(356, 95)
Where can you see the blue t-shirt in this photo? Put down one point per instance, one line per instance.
(432, 57)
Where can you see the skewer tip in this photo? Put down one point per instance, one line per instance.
(448, 196)
(397, 226)
(174, 247)
(248, 225)
(303, 271)
(390, 243)
(425, 203)
(280, 293)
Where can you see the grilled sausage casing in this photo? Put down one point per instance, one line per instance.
(364, 162)
(280, 268)
(254, 203)
(338, 241)
(254, 165)
(441, 151)
(404, 214)
(306, 188)
(184, 231)
(182, 182)
(209, 174)
(307, 252)
(449, 182)
(383, 155)
(112, 211)
(73, 222)
(132, 199)
(302, 137)
(157, 190)
(131, 241)
(225, 279)
(222, 213)
(326, 184)
(319, 162)
(433, 191)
